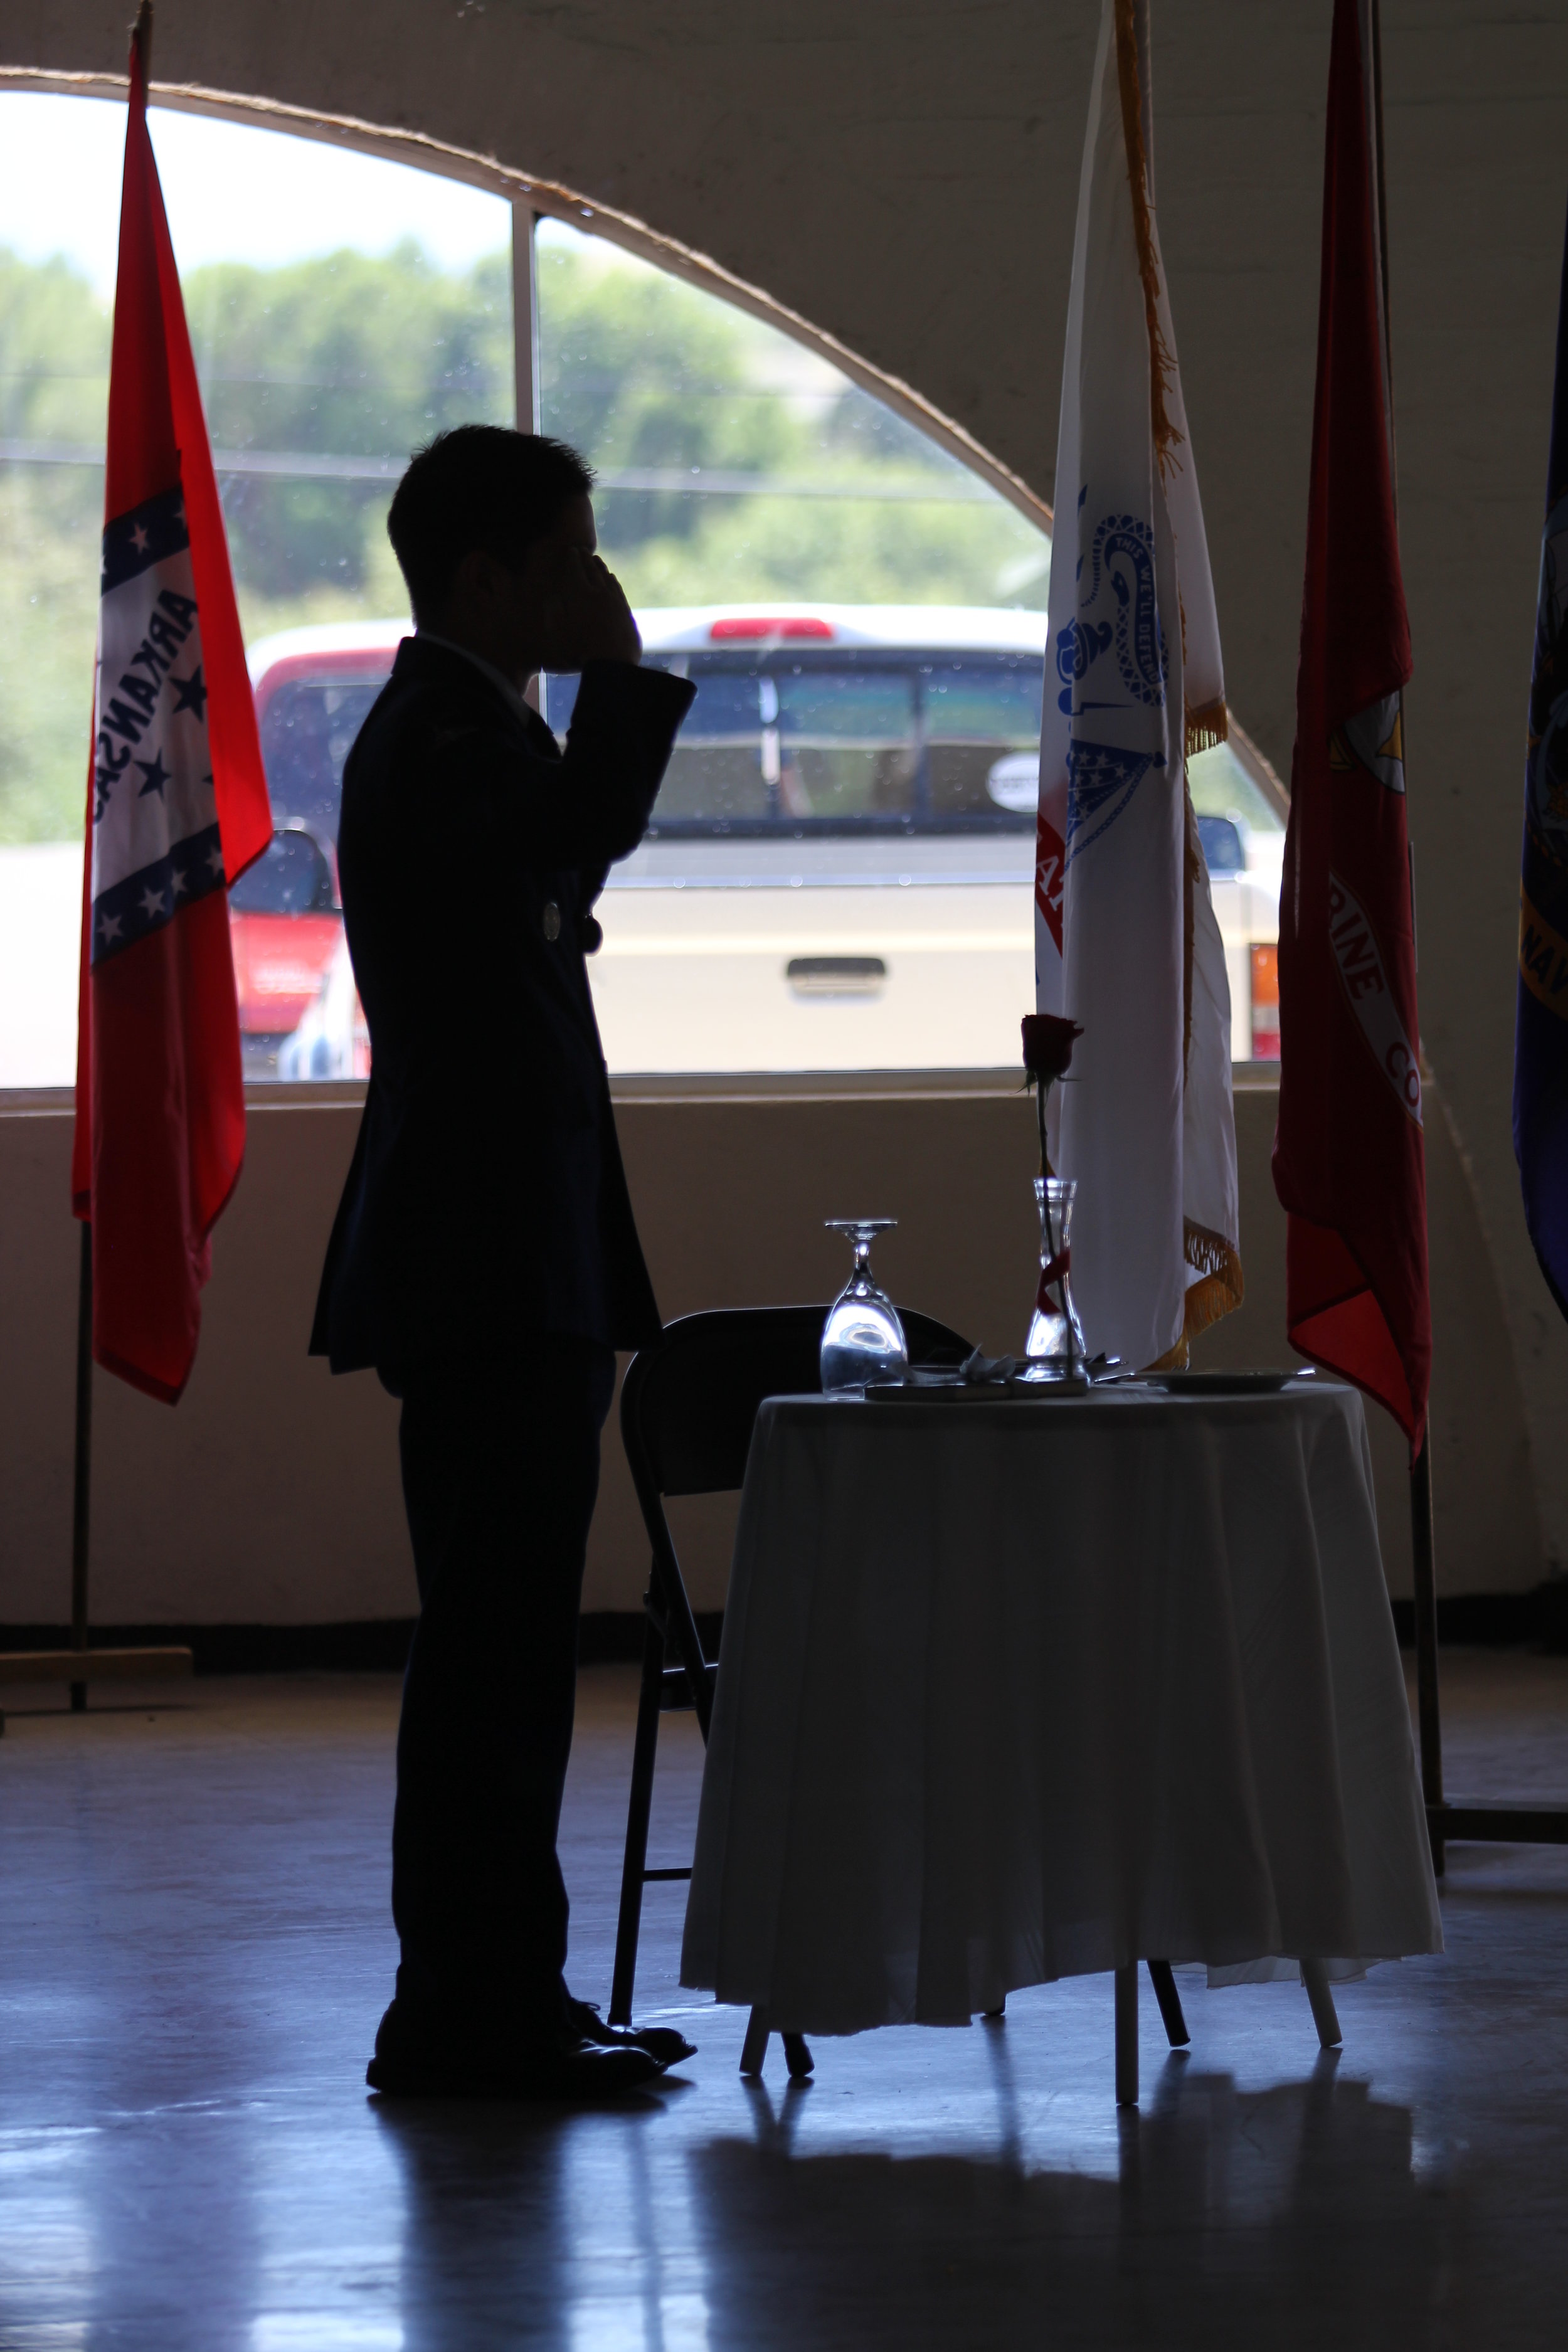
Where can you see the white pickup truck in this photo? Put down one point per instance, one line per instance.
(838, 873)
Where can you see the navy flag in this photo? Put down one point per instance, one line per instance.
(1541, 1033)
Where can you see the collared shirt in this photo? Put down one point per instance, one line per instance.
(515, 701)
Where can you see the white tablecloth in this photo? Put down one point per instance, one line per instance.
(1012, 1691)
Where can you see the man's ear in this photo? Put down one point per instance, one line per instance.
(473, 579)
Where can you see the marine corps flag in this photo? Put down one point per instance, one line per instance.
(1125, 936)
(176, 808)
(1349, 1156)
(1540, 1035)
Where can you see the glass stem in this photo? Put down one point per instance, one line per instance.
(1041, 1085)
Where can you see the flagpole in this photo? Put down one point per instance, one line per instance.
(81, 1500)
(1424, 1566)
(1428, 1710)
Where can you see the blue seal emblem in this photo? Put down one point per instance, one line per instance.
(1113, 658)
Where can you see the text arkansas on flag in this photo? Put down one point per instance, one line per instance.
(157, 842)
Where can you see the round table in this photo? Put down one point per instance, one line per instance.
(1017, 1689)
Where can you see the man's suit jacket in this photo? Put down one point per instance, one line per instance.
(486, 1204)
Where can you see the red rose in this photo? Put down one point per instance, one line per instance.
(1047, 1046)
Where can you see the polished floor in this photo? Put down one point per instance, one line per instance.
(194, 1951)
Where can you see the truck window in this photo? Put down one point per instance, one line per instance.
(308, 729)
(979, 718)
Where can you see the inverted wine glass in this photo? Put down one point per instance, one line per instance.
(862, 1339)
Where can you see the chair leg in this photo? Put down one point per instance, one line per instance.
(797, 2057)
(688, 1640)
(1315, 1976)
(755, 2048)
(1169, 2001)
(644, 1751)
(1127, 2035)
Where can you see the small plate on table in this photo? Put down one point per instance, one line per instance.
(1222, 1384)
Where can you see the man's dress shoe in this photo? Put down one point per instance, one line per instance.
(418, 2058)
(662, 2044)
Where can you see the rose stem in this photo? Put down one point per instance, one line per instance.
(1040, 1086)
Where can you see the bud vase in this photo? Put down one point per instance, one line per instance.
(1055, 1335)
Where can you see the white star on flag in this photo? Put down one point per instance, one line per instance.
(152, 903)
(215, 859)
(110, 926)
(139, 540)
(177, 876)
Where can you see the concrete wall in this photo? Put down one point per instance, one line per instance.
(903, 173)
(271, 1494)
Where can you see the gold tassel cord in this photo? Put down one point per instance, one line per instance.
(1221, 1286)
(1162, 366)
(1218, 1291)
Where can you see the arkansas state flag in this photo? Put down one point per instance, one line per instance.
(177, 806)
(1125, 936)
(1349, 1154)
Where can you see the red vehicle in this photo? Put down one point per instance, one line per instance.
(312, 688)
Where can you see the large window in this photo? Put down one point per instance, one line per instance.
(838, 872)
(342, 309)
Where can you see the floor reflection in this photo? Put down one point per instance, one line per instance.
(486, 2222)
(1291, 2215)
(195, 1952)
(568, 2231)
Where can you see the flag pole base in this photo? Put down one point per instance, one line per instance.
(1495, 1823)
(77, 1668)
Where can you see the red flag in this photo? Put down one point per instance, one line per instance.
(176, 809)
(1349, 1156)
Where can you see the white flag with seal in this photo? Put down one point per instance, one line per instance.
(1126, 941)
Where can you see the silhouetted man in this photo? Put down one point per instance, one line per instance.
(484, 1257)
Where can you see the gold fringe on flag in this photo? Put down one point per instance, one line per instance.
(1192, 871)
(1207, 725)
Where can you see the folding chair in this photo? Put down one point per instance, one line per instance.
(688, 1406)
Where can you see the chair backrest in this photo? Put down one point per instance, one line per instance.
(689, 1400)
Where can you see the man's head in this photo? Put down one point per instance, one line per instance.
(494, 530)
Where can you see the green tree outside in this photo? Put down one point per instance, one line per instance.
(357, 359)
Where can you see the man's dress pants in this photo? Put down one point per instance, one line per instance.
(499, 1476)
